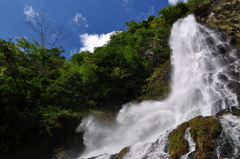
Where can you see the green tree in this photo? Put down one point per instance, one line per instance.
(23, 88)
(172, 13)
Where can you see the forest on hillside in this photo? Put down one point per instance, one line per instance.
(44, 96)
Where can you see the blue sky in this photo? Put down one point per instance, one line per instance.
(88, 22)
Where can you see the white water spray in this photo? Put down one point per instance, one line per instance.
(191, 144)
(201, 85)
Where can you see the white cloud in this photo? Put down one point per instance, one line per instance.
(30, 13)
(173, 2)
(151, 10)
(79, 20)
(144, 15)
(90, 41)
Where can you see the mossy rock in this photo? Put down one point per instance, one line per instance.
(178, 146)
(121, 153)
(238, 113)
(203, 131)
(230, 110)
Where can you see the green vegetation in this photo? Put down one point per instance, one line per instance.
(44, 96)
(238, 112)
(157, 86)
(122, 153)
(221, 14)
(195, 4)
(178, 146)
(203, 131)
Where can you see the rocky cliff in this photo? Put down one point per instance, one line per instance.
(223, 15)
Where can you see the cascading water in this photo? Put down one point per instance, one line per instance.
(191, 144)
(205, 69)
(229, 144)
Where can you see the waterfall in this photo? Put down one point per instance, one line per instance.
(204, 81)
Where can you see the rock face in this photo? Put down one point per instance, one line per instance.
(226, 145)
(225, 15)
(203, 131)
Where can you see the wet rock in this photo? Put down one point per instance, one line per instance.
(233, 84)
(230, 110)
(230, 68)
(222, 78)
(227, 102)
(120, 154)
(222, 35)
(224, 147)
(232, 72)
(210, 41)
(233, 42)
(237, 156)
(236, 90)
(113, 157)
(191, 155)
(221, 48)
(233, 75)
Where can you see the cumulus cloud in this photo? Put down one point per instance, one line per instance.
(30, 13)
(90, 41)
(79, 20)
(144, 15)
